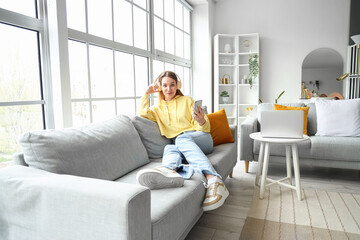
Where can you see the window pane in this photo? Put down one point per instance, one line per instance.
(25, 7)
(78, 70)
(141, 3)
(169, 10)
(179, 43)
(169, 39)
(124, 68)
(179, 70)
(140, 28)
(186, 80)
(186, 20)
(16, 120)
(178, 14)
(75, 10)
(159, 34)
(123, 22)
(103, 110)
(169, 67)
(101, 72)
(187, 52)
(141, 75)
(158, 67)
(80, 113)
(99, 18)
(159, 8)
(19, 65)
(126, 106)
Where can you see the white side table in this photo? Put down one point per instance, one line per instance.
(290, 146)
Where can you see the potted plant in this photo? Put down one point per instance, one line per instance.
(253, 68)
(224, 96)
(277, 99)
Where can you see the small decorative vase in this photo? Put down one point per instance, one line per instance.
(227, 48)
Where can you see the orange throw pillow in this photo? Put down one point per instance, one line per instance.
(219, 128)
(305, 109)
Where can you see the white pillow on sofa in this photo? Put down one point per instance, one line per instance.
(338, 117)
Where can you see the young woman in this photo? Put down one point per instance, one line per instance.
(189, 131)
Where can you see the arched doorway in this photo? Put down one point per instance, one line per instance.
(320, 69)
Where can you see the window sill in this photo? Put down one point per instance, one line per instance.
(6, 164)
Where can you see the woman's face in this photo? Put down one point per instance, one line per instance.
(168, 88)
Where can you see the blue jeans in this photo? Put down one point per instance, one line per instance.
(189, 147)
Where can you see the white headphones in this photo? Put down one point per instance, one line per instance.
(178, 84)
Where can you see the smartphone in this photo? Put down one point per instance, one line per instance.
(197, 104)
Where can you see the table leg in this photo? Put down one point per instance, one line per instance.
(296, 171)
(265, 169)
(288, 163)
(260, 162)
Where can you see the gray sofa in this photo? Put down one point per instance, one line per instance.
(80, 183)
(335, 152)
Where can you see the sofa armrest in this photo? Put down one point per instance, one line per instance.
(246, 143)
(35, 204)
(233, 129)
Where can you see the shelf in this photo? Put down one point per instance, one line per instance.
(246, 84)
(247, 104)
(247, 53)
(235, 64)
(227, 65)
(227, 54)
(227, 104)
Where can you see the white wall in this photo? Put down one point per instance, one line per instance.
(289, 30)
(202, 27)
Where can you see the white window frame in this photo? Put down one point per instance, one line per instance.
(38, 25)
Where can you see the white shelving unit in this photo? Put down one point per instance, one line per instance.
(235, 64)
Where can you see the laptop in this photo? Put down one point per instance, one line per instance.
(282, 123)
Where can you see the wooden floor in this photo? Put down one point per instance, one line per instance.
(227, 221)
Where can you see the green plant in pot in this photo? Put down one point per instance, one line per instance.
(253, 68)
(277, 99)
(224, 96)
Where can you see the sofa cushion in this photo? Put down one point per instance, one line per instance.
(219, 128)
(150, 136)
(172, 209)
(305, 109)
(105, 150)
(335, 148)
(338, 118)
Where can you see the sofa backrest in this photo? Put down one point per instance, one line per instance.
(312, 123)
(150, 136)
(105, 150)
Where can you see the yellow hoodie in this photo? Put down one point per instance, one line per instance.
(173, 117)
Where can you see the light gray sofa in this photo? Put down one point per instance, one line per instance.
(327, 151)
(80, 183)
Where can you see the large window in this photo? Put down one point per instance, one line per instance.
(101, 60)
(112, 58)
(22, 102)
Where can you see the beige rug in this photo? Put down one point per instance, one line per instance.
(320, 215)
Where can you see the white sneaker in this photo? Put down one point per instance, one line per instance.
(158, 178)
(216, 195)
